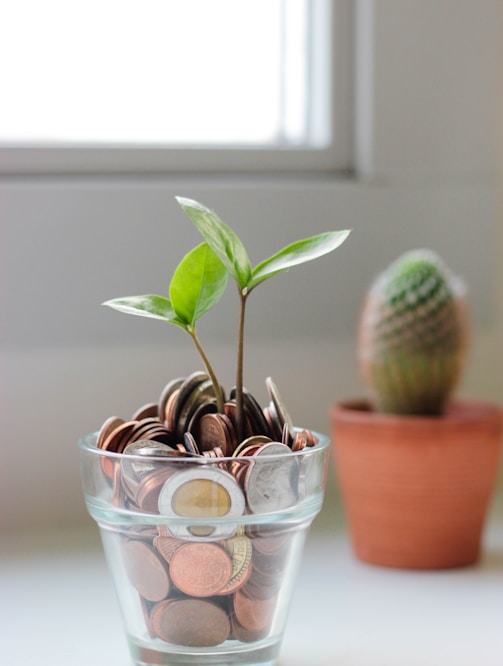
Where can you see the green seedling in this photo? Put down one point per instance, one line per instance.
(200, 281)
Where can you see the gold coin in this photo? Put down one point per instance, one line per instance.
(201, 497)
(240, 550)
(201, 494)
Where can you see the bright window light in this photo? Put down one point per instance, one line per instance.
(190, 72)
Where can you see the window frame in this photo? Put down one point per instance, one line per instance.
(332, 18)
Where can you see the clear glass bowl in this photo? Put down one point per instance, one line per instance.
(204, 552)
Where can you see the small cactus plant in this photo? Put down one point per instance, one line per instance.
(412, 336)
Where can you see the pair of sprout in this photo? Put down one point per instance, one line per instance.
(200, 279)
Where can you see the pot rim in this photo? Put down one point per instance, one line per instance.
(467, 411)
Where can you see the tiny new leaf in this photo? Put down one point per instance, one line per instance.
(297, 253)
(147, 305)
(198, 283)
(221, 238)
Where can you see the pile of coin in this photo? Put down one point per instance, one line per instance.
(185, 423)
(186, 419)
(202, 578)
(200, 594)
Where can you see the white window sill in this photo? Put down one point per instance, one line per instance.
(61, 607)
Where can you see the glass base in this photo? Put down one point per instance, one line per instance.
(263, 653)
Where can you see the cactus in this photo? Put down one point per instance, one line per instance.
(412, 335)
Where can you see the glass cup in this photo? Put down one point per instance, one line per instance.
(204, 552)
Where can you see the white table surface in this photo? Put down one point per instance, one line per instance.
(58, 607)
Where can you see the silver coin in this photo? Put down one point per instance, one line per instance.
(190, 443)
(132, 469)
(280, 407)
(272, 484)
(146, 447)
(200, 494)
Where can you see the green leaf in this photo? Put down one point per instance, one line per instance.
(148, 305)
(297, 253)
(197, 284)
(221, 238)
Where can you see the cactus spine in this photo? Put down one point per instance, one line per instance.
(412, 336)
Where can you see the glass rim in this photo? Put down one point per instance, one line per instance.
(85, 445)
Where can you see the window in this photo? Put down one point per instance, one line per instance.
(133, 85)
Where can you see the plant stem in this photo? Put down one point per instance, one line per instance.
(216, 384)
(243, 295)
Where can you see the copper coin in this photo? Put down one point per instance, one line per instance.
(212, 432)
(257, 589)
(167, 391)
(243, 635)
(111, 424)
(253, 614)
(253, 411)
(312, 440)
(167, 546)
(150, 410)
(169, 410)
(230, 435)
(273, 423)
(145, 607)
(146, 570)
(201, 569)
(117, 439)
(108, 468)
(164, 436)
(118, 490)
(237, 581)
(143, 426)
(271, 543)
(200, 393)
(152, 428)
(230, 412)
(267, 570)
(239, 470)
(272, 564)
(110, 439)
(208, 407)
(190, 622)
(149, 487)
(299, 442)
(189, 384)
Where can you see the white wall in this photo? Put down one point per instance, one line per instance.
(426, 145)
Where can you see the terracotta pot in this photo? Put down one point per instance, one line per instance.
(416, 489)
